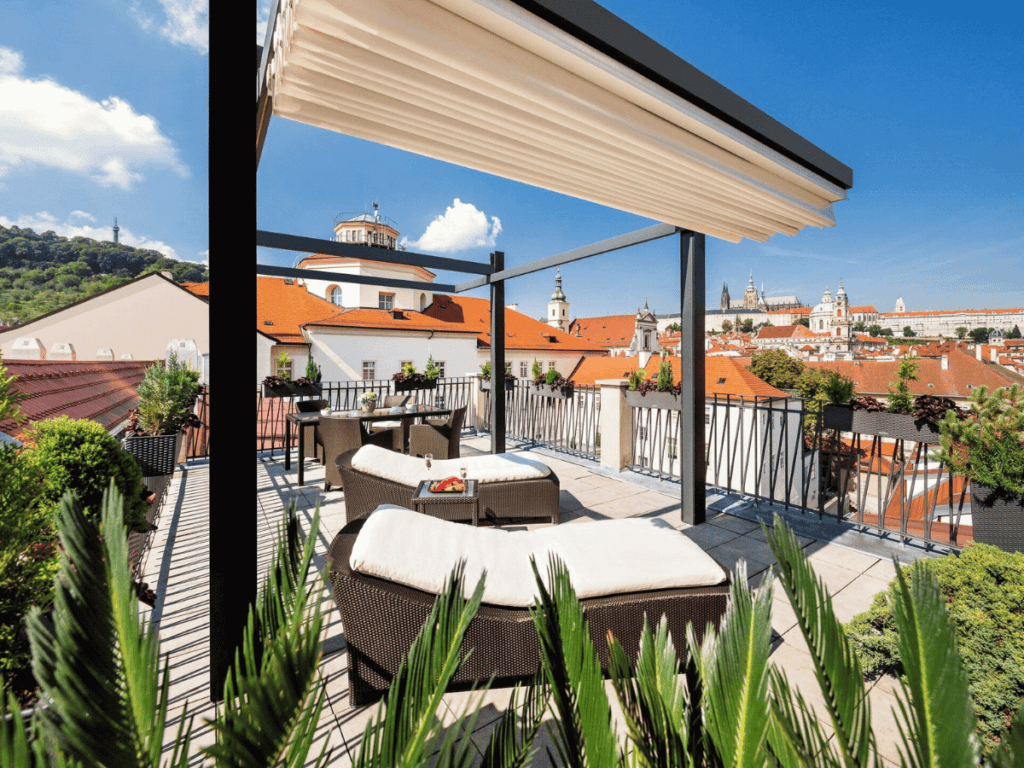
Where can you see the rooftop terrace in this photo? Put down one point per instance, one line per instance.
(854, 566)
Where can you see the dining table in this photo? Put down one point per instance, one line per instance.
(302, 420)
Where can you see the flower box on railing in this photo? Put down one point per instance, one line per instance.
(997, 517)
(291, 389)
(485, 385)
(666, 401)
(410, 384)
(557, 393)
(156, 455)
(880, 423)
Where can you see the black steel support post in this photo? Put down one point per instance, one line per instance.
(691, 352)
(497, 356)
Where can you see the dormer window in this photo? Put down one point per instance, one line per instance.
(336, 297)
(386, 301)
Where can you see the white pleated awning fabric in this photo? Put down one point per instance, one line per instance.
(487, 85)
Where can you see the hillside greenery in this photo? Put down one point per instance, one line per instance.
(40, 273)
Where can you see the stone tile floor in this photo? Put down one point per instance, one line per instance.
(176, 566)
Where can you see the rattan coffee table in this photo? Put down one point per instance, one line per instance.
(448, 506)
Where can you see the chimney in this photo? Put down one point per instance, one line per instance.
(995, 354)
(945, 362)
(644, 358)
(977, 352)
(513, 307)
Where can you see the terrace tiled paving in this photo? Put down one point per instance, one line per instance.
(176, 567)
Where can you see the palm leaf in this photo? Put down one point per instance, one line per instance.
(511, 742)
(795, 738)
(735, 676)
(835, 665)
(272, 694)
(583, 734)
(97, 664)
(407, 730)
(936, 711)
(653, 698)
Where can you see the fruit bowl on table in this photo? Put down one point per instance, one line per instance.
(448, 485)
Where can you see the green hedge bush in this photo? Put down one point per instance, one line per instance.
(80, 455)
(984, 589)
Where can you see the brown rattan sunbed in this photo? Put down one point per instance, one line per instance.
(514, 499)
(381, 618)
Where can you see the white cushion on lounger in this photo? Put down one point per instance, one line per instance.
(608, 557)
(410, 470)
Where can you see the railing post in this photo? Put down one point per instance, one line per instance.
(615, 426)
(479, 400)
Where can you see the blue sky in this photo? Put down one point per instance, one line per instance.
(103, 113)
(923, 101)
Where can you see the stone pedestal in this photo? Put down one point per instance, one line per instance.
(616, 429)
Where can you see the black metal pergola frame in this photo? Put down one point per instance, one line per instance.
(595, 26)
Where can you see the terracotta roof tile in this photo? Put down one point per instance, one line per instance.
(521, 332)
(722, 375)
(865, 309)
(103, 391)
(198, 289)
(607, 331)
(785, 332)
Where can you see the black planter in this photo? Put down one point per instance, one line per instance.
(663, 400)
(155, 455)
(409, 386)
(545, 391)
(291, 389)
(485, 385)
(881, 423)
(997, 517)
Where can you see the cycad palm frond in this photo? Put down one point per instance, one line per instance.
(735, 676)
(97, 664)
(938, 722)
(511, 742)
(407, 731)
(835, 665)
(795, 736)
(272, 694)
(583, 736)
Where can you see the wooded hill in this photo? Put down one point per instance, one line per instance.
(41, 273)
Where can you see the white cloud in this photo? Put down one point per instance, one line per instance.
(45, 123)
(262, 19)
(43, 221)
(186, 22)
(462, 226)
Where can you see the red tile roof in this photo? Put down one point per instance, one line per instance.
(521, 332)
(865, 309)
(785, 332)
(722, 375)
(873, 376)
(607, 331)
(866, 338)
(198, 289)
(940, 312)
(103, 391)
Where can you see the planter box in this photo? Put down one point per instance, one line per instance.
(156, 455)
(294, 390)
(664, 400)
(881, 423)
(485, 385)
(409, 386)
(998, 518)
(544, 391)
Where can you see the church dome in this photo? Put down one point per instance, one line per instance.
(558, 295)
(825, 305)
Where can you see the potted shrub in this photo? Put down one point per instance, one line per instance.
(278, 384)
(645, 393)
(485, 377)
(988, 448)
(369, 401)
(308, 385)
(156, 429)
(408, 379)
(552, 386)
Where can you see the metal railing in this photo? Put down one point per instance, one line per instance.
(752, 446)
(197, 440)
(569, 424)
(345, 395)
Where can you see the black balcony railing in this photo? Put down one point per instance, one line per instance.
(568, 422)
(345, 395)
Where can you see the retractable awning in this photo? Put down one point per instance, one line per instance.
(488, 85)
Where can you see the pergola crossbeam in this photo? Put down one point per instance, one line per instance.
(636, 237)
(285, 242)
(341, 277)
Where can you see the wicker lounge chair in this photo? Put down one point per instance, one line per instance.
(508, 500)
(381, 618)
(441, 440)
(340, 435)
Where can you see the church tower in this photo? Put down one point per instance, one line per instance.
(762, 303)
(724, 303)
(900, 306)
(558, 307)
(750, 294)
(841, 325)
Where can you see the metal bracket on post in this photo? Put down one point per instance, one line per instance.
(497, 355)
(691, 351)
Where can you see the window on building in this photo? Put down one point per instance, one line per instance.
(369, 370)
(401, 365)
(563, 313)
(386, 301)
(336, 297)
(707, 415)
(647, 339)
(283, 367)
(523, 369)
(551, 365)
(440, 368)
(552, 311)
